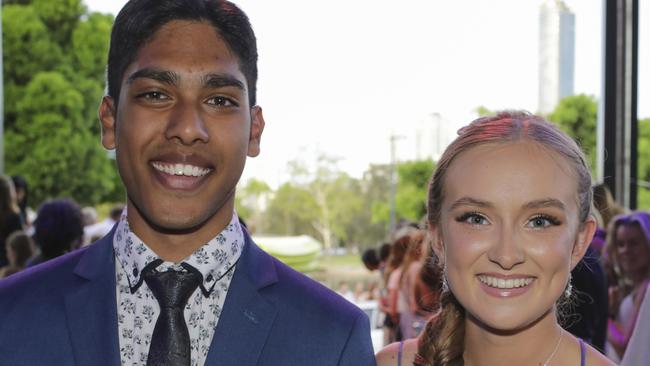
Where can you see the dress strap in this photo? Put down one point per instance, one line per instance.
(583, 352)
(399, 353)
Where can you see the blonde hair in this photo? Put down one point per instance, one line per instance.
(442, 341)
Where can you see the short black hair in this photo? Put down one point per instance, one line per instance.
(58, 227)
(384, 252)
(369, 259)
(139, 20)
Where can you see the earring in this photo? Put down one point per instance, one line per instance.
(569, 288)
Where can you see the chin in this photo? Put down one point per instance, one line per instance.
(507, 321)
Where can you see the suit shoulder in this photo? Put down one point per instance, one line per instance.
(312, 293)
(42, 278)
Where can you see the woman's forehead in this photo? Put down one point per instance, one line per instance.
(511, 171)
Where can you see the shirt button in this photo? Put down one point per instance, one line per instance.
(135, 271)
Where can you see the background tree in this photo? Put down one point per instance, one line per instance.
(576, 115)
(643, 165)
(251, 201)
(411, 192)
(54, 59)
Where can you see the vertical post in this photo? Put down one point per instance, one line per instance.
(618, 117)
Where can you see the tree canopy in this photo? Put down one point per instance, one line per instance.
(54, 59)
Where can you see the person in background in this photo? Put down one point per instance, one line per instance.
(587, 318)
(508, 211)
(22, 195)
(384, 253)
(370, 259)
(58, 229)
(89, 217)
(10, 220)
(605, 204)
(20, 248)
(98, 230)
(628, 243)
(407, 305)
(393, 275)
(637, 351)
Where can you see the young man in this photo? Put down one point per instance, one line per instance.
(177, 281)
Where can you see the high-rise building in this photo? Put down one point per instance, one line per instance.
(556, 53)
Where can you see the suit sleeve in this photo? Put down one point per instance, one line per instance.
(358, 349)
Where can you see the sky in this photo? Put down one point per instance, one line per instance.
(340, 77)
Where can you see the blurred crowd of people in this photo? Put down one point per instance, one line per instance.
(411, 281)
(28, 238)
(608, 286)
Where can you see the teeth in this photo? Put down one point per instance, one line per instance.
(181, 169)
(503, 283)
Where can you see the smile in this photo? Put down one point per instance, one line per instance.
(181, 169)
(502, 283)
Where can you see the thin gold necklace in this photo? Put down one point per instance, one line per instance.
(557, 346)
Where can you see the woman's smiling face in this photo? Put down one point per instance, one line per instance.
(509, 232)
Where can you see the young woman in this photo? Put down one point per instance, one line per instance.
(629, 246)
(509, 217)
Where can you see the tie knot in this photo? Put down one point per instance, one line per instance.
(172, 289)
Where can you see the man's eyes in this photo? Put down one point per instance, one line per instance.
(220, 101)
(153, 96)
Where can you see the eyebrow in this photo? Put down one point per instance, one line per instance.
(211, 80)
(545, 202)
(163, 76)
(220, 81)
(469, 201)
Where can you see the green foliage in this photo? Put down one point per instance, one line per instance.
(411, 192)
(51, 146)
(27, 46)
(54, 68)
(643, 164)
(292, 211)
(60, 17)
(483, 111)
(576, 115)
(90, 41)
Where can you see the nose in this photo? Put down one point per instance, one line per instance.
(186, 125)
(506, 252)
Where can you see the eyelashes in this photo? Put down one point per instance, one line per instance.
(538, 221)
(472, 218)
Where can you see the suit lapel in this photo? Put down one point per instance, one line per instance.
(247, 315)
(91, 310)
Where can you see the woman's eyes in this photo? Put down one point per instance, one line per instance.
(542, 221)
(473, 218)
(537, 222)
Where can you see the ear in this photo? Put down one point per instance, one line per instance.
(257, 127)
(436, 243)
(583, 240)
(107, 117)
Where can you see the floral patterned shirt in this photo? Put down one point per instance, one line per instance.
(138, 309)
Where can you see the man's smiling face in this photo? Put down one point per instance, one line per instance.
(182, 130)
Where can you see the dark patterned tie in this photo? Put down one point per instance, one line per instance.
(170, 342)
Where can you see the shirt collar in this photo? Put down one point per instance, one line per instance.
(212, 261)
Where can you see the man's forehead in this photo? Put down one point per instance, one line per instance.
(186, 49)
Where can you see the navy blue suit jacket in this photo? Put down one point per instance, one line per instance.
(64, 312)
